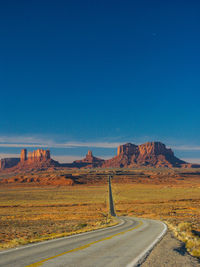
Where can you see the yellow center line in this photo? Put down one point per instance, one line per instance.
(39, 263)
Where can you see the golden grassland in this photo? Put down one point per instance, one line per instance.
(178, 207)
(36, 214)
(32, 213)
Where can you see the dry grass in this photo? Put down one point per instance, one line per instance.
(178, 206)
(34, 214)
(184, 232)
(31, 213)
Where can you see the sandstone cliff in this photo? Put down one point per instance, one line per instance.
(23, 155)
(153, 154)
(37, 159)
(38, 155)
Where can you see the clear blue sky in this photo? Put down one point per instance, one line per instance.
(100, 71)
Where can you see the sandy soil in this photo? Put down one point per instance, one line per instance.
(170, 252)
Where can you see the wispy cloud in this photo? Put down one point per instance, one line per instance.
(8, 155)
(64, 145)
(24, 141)
(46, 142)
(192, 160)
(23, 145)
(20, 141)
(88, 144)
(186, 148)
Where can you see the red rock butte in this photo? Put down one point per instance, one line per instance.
(151, 154)
(37, 155)
(36, 159)
(23, 155)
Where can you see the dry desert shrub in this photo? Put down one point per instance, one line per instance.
(184, 232)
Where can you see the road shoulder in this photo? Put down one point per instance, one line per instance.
(170, 252)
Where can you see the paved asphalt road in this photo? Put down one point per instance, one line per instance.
(114, 246)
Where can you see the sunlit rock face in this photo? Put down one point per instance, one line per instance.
(38, 155)
(149, 154)
(127, 149)
(152, 154)
(37, 159)
(23, 155)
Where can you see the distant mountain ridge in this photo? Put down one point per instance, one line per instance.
(150, 154)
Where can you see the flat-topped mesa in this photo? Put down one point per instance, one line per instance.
(153, 154)
(37, 159)
(39, 155)
(155, 148)
(156, 154)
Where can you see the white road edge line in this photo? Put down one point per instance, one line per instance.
(65, 237)
(139, 259)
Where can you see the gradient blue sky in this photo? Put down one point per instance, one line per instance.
(100, 73)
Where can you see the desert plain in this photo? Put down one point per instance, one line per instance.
(38, 205)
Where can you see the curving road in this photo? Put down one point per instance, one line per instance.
(121, 245)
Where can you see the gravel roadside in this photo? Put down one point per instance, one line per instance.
(170, 252)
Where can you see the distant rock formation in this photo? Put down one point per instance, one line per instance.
(23, 155)
(154, 154)
(89, 161)
(35, 156)
(151, 154)
(8, 163)
(35, 160)
(127, 149)
(38, 155)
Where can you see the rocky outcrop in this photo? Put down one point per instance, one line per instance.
(127, 149)
(153, 154)
(89, 161)
(38, 155)
(23, 155)
(35, 156)
(156, 154)
(8, 163)
(37, 159)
